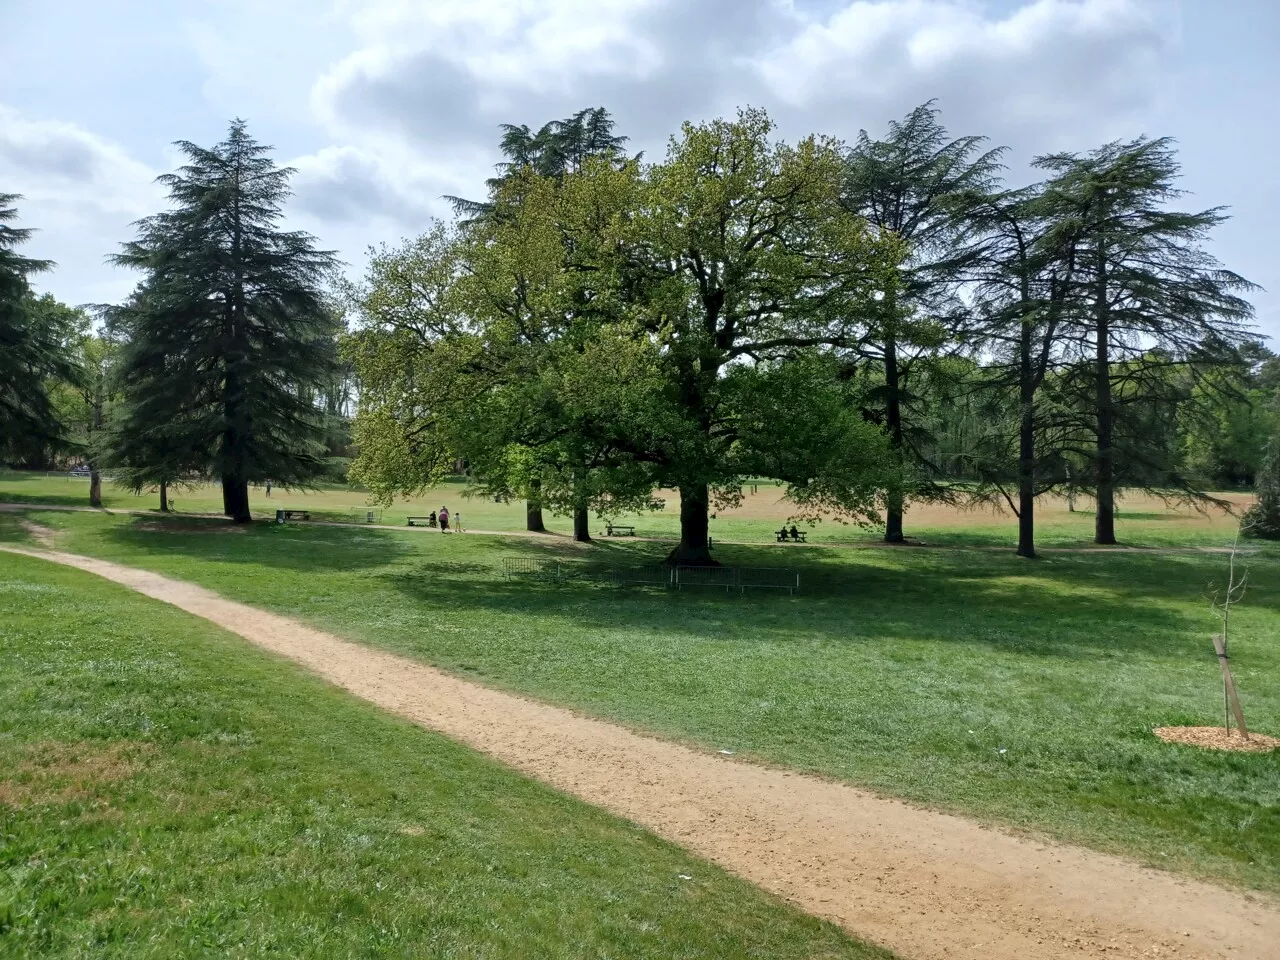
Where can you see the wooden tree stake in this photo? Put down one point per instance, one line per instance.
(1229, 684)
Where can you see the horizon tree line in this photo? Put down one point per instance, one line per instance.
(871, 325)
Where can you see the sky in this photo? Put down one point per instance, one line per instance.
(383, 107)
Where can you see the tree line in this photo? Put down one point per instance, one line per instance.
(871, 324)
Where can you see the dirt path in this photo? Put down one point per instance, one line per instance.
(925, 884)
(565, 539)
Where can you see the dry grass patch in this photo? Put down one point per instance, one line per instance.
(50, 773)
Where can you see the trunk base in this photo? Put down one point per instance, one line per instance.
(533, 517)
(235, 499)
(581, 526)
(688, 555)
(694, 549)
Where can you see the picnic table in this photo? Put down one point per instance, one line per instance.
(792, 535)
(421, 521)
(619, 530)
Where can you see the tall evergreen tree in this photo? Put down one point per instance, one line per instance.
(1143, 281)
(32, 353)
(1263, 519)
(1022, 277)
(910, 184)
(229, 338)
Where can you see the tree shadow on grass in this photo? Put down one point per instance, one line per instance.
(1072, 605)
(1075, 609)
(287, 547)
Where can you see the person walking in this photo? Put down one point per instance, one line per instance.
(268, 488)
(444, 519)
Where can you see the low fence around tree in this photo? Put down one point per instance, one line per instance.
(729, 579)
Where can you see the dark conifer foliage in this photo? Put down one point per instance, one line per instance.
(31, 352)
(1263, 519)
(554, 150)
(1146, 296)
(228, 337)
(915, 183)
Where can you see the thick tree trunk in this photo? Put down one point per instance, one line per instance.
(1027, 450)
(694, 547)
(1105, 520)
(581, 525)
(95, 478)
(533, 521)
(893, 422)
(235, 498)
(164, 496)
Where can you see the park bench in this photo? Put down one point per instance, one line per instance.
(797, 536)
(619, 530)
(421, 521)
(283, 515)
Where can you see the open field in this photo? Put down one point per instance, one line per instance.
(167, 790)
(1017, 693)
(1143, 520)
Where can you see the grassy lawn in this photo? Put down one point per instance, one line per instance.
(167, 790)
(1143, 521)
(1018, 693)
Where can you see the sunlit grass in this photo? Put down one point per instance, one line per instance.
(905, 671)
(166, 790)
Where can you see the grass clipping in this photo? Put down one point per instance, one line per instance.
(1218, 738)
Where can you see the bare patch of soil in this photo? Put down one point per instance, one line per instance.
(189, 525)
(39, 532)
(54, 773)
(1218, 738)
(927, 885)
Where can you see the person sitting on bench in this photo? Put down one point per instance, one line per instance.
(795, 534)
(431, 519)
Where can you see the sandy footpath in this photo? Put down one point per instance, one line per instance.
(924, 884)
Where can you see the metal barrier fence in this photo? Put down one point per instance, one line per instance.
(728, 579)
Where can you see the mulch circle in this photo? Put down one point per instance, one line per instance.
(1217, 738)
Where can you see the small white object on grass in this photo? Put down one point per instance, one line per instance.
(1004, 750)
(727, 753)
(684, 876)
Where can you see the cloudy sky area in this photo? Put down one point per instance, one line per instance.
(383, 106)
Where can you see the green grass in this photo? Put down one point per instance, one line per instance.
(167, 790)
(1141, 522)
(906, 671)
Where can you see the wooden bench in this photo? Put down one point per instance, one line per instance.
(297, 514)
(619, 530)
(421, 521)
(787, 536)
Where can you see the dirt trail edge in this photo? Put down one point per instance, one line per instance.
(924, 884)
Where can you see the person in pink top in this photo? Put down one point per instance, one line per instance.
(444, 519)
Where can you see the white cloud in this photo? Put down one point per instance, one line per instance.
(81, 193)
(1050, 70)
(389, 104)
